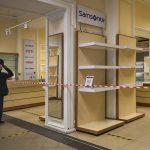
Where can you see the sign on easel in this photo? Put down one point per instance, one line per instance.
(90, 16)
(89, 81)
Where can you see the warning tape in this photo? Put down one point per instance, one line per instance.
(81, 85)
(13, 135)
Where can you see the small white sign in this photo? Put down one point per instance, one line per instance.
(89, 81)
(90, 16)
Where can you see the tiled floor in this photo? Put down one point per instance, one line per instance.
(15, 138)
(131, 136)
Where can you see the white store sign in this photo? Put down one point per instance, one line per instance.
(90, 16)
(28, 59)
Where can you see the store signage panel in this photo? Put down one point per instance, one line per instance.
(90, 16)
(28, 59)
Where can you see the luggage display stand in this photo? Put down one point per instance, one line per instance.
(91, 102)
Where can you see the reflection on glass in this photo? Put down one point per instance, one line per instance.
(142, 61)
(55, 76)
(11, 60)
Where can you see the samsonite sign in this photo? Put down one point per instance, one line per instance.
(90, 16)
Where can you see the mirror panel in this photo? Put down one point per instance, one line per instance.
(55, 76)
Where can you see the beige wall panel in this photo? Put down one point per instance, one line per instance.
(127, 102)
(125, 17)
(126, 40)
(126, 76)
(143, 100)
(98, 5)
(86, 37)
(53, 60)
(142, 11)
(143, 90)
(25, 89)
(127, 58)
(99, 76)
(23, 102)
(8, 43)
(24, 95)
(91, 57)
(143, 94)
(91, 107)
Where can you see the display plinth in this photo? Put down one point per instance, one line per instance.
(132, 117)
(101, 126)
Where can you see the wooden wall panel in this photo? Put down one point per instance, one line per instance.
(90, 106)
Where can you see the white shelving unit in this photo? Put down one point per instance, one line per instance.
(106, 46)
(108, 67)
(91, 102)
(101, 89)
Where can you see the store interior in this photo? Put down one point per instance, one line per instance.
(24, 21)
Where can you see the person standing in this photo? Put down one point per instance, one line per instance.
(3, 86)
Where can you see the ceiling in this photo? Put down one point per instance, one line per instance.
(19, 9)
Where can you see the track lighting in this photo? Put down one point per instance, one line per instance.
(7, 32)
(24, 24)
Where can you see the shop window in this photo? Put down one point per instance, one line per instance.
(11, 60)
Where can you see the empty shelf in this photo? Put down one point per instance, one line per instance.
(132, 117)
(101, 89)
(108, 67)
(99, 45)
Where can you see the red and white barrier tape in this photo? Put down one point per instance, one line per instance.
(81, 85)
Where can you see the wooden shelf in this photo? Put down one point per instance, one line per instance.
(93, 90)
(98, 127)
(52, 66)
(53, 76)
(106, 46)
(132, 117)
(108, 67)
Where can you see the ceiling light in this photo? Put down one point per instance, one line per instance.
(7, 32)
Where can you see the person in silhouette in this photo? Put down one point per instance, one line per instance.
(3, 85)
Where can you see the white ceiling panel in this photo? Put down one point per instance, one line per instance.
(23, 8)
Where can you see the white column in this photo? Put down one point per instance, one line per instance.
(46, 68)
(112, 13)
(68, 73)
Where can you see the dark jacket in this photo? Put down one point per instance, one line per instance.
(3, 81)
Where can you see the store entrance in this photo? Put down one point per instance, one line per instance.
(23, 49)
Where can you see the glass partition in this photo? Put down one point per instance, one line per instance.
(11, 60)
(55, 76)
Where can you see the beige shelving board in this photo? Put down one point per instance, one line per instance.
(91, 103)
(126, 98)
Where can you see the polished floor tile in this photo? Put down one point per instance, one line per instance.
(15, 138)
(132, 135)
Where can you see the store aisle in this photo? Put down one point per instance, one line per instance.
(15, 138)
(132, 136)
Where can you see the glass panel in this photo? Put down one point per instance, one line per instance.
(11, 60)
(55, 76)
(142, 60)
